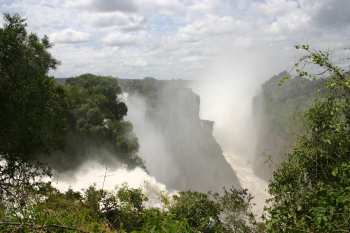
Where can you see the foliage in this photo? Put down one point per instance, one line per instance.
(18, 181)
(201, 212)
(96, 120)
(236, 211)
(32, 105)
(184, 212)
(311, 190)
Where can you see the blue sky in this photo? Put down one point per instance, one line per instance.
(177, 38)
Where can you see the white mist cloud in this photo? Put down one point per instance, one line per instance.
(152, 149)
(227, 89)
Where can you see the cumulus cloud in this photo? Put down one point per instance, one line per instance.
(120, 39)
(209, 26)
(277, 7)
(167, 34)
(69, 36)
(104, 5)
(126, 22)
(332, 14)
(169, 7)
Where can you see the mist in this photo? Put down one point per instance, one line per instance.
(176, 144)
(227, 89)
(153, 149)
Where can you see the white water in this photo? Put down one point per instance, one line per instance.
(92, 173)
(255, 185)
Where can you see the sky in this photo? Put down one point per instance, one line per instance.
(170, 39)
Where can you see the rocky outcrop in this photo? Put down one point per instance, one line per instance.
(278, 114)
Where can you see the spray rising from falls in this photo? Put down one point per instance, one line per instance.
(233, 132)
(227, 89)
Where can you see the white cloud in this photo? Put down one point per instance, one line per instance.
(104, 5)
(121, 39)
(283, 16)
(127, 22)
(161, 6)
(210, 26)
(69, 36)
(157, 37)
(276, 8)
(332, 14)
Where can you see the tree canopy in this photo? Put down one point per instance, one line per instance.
(32, 105)
(96, 121)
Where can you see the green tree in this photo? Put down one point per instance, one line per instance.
(32, 105)
(96, 121)
(200, 211)
(311, 190)
(19, 181)
(236, 211)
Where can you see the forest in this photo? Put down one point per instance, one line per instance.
(50, 126)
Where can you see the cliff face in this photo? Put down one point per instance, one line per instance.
(185, 154)
(278, 111)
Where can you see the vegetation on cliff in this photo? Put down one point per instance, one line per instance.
(96, 124)
(279, 118)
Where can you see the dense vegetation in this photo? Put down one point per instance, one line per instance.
(32, 106)
(310, 192)
(95, 124)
